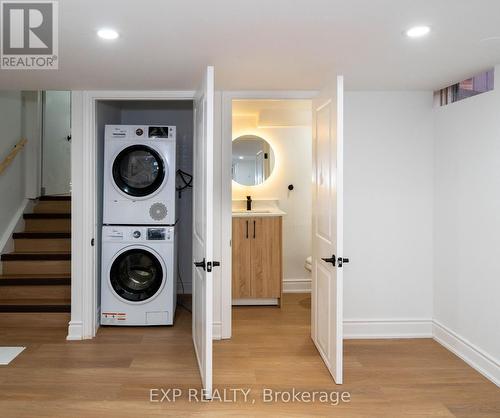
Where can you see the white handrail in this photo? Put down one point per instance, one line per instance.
(8, 160)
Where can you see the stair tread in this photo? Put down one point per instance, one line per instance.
(29, 302)
(38, 256)
(54, 198)
(35, 280)
(41, 235)
(47, 215)
(34, 276)
(35, 305)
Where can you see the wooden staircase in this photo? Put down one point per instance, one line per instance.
(36, 276)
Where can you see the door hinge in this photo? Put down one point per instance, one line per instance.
(92, 242)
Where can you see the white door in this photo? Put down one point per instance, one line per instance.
(56, 145)
(327, 258)
(203, 228)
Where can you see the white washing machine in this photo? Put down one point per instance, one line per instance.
(138, 285)
(139, 175)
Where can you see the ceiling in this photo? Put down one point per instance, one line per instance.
(264, 44)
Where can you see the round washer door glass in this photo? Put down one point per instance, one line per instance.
(136, 275)
(138, 170)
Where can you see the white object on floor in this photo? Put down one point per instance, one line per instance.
(308, 264)
(7, 354)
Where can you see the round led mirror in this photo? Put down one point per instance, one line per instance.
(253, 160)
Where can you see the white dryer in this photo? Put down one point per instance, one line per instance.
(139, 175)
(138, 275)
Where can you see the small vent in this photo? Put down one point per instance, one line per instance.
(158, 211)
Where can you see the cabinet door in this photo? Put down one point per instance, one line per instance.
(266, 260)
(241, 266)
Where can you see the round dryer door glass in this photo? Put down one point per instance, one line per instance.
(139, 170)
(136, 275)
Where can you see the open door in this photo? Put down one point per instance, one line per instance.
(203, 228)
(327, 256)
(56, 143)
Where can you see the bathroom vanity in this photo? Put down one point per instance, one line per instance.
(257, 254)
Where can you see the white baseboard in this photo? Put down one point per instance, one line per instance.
(291, 285)
(255, 302)
(382, 328)
(425, 328)
(468, 352)
(75, 331)
(217, 330)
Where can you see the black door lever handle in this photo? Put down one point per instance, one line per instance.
(332, 259)
(201, 264)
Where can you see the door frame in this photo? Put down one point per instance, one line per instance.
(84, 271)
(226, 186)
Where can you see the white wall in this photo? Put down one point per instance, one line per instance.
(467, 226)
(12, 181)
(388, 186)
(292, 148)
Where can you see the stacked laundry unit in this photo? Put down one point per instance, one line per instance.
(138, 267)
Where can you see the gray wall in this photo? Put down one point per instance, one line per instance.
(172, 112)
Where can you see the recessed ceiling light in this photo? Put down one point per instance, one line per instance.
(107, 34)
(418, 31)
(241, 157)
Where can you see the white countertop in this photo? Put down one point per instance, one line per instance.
(260, 207)
(242, 213)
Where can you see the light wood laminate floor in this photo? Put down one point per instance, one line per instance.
(111, 376)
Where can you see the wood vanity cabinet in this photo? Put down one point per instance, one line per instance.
(257, 267)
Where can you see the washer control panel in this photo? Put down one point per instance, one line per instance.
(157, 234)
(138, 233)
(132, 132)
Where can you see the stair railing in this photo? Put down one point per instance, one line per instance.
(12, 155)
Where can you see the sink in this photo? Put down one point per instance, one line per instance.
(252, 211)
(259, 208)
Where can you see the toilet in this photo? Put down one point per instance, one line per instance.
(308, 264)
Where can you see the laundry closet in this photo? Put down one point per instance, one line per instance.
(144, 215)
